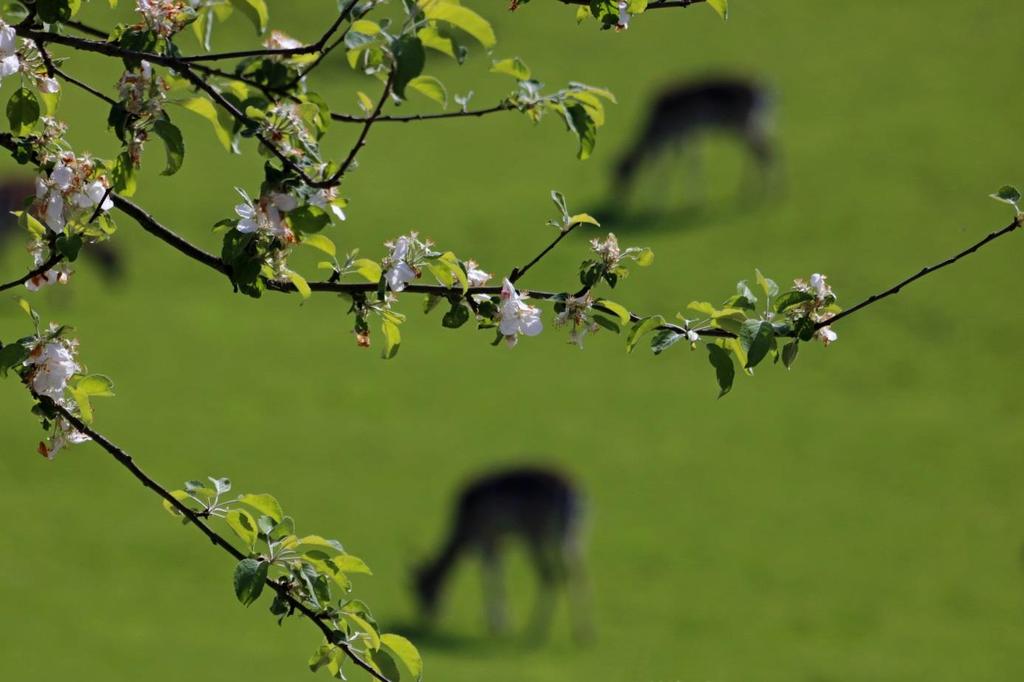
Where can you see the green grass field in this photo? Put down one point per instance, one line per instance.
(858, 518)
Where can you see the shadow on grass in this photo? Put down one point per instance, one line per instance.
(681, 219)
(470, 645)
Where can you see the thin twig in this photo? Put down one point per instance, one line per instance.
(503, 106)
(55, 257)
(361, 140)
(128, 462)
(895, 289)
(519, 272)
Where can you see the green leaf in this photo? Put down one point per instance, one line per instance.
(367, 269)
(768, 286)
(583, 218)
(386, 665)
(720, 6)
(513, 66)
(321, 657)
(460, 17)
(1007, 193)
(725, 371)
(300, 284)
(579, 121)
(430, 87)
(792, 298)
(97, 385)
(264, 504)
(171, 136)
(123, 175)
(12, 355)
(308, 219)
(456, 317)
(22, 111)
(350, 563)
(180, 496)
(789, 352)
(405, 651)
(392, 339)
(616, 309)
(410, 57)
(206, 109)
(321, 243)
(244, 526)
(250, 577)
(255, 10)
(644, 326)
(372, 637)
(645, 258)
(664, 340)
(757, 337)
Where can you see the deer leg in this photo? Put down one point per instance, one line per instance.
(494, 590)
(548, 578)
(578, 589)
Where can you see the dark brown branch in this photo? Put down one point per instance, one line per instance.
(53, 70)
(361, 140)
(150, 224)
(128, 462)
(874, 298)
(504, 106)
(86, 29)
(241, 117)
(660, 4)
(519, 272)
(55, 257)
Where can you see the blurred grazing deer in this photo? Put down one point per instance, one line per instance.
(13, 195)
(540, 507)
(681, 113)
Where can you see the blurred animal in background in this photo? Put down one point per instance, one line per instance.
(682, 113)
(14, 192)
(542, 508)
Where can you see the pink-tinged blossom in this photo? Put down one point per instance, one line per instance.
(516, 316)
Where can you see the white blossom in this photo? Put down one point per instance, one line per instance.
(826, 335)
(516, 316)
(164, 17)
(279, 40)
(265, 215)
(63, 435)
(10, 62)
(692, 336)
(327, 199)
(48, 85)
(624, 16)
(69, 194)
(52, 364)
(55, 275)
(400, 273)
(475, 276)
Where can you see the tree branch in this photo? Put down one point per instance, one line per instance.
(128, 462)
(503, 106)
(519, 272)
(895, 289)
(55, 257)
(361, 141)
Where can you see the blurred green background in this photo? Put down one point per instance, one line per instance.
(858, 518)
